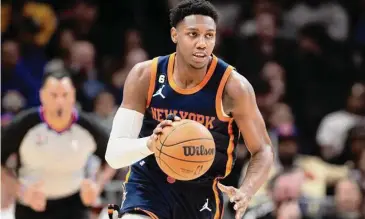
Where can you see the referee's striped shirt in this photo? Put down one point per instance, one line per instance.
(58, 159)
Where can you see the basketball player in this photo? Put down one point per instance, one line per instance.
(192, 84)
(53, 144)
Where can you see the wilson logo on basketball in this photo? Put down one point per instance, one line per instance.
(197, 150)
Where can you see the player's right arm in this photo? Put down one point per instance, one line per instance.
(124, 146)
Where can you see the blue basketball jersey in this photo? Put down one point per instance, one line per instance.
(202, 103)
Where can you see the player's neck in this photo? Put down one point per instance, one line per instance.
(58, 123)
(186, 75)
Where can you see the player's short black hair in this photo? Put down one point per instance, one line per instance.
(191, 7)
(58, 74)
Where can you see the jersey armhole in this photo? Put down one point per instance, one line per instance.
(151, 87)
(219, 98)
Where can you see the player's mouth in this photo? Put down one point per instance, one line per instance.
(199, 57)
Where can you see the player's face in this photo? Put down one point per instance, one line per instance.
(195, 37)
(58, 96)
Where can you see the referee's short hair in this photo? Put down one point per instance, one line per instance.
(58, 74)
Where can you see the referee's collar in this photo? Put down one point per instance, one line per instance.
(75, 117)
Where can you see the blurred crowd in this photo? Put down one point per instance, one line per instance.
(304, 58)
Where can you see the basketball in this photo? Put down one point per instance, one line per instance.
(185, 150)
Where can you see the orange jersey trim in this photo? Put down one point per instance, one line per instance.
(217, 214)
(188, 91)
(230, 149)
(219, 98)
(128, 175)
(150, 214)
(151, 87)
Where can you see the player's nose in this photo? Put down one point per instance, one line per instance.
(201, 44)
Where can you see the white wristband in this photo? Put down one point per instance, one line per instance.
(124, 148)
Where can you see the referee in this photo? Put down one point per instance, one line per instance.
(54, 144)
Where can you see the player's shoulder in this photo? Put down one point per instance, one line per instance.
(141, 72)
(237, 85)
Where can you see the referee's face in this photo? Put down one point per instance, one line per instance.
(58, 97)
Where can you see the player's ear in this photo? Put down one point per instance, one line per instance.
(173, 32)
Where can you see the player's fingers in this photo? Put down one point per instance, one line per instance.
(177, 118)
(235, 198)
(241, 210)
(154, 137)
(38, 196)
(239, 205)
(239, 213)
(229, 190)
(38, 205)
(165, 123)
(157, 131)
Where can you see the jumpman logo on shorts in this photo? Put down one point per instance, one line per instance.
(159, 92)
(205, 206)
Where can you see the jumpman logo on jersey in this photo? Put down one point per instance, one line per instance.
(159, 92)
(205, 206)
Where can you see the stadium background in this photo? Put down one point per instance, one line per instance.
(305, 59)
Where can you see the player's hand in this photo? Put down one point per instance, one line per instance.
(158, 130)
(33, 196)
(237, 196)
(289, 210)
(89, 192)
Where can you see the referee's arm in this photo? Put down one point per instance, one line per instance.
(101, 137)
(11, 137)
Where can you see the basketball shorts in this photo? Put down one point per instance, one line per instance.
(149, 191)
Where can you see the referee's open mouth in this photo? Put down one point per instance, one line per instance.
(59, 112)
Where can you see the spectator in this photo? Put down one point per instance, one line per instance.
(118, 78)
(348, 200)
(62, 59)
(285, 194)
(332, 132)
(133, 41)
(274, 74)
(314, 87)
(329, 13)
(85, 74)
(318, 174)
(32, 54)
(16, 76)
(82, 21)
(13, 102)
(105, 109)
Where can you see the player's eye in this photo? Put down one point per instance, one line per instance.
(192, 34)
(64, 94)
(54, 95)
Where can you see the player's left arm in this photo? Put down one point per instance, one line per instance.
(240, 101)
